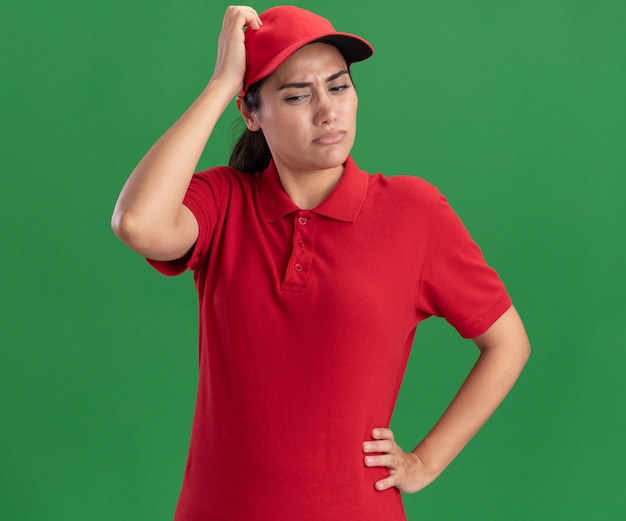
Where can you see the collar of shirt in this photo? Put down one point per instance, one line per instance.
(343, 204)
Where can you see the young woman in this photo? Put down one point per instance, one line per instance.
(312, 276)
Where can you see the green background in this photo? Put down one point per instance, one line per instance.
(515, 110)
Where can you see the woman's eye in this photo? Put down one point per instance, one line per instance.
(298, 97)
(338, 88)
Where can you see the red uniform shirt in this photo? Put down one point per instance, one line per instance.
(306, 322)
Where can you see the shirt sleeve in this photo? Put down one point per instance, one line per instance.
(456, 283)
(205, 198)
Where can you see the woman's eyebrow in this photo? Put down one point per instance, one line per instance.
(302, 84)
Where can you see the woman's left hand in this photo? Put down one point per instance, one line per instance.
(407, 471)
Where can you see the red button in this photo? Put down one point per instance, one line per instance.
(302, 220)
(299, 267)
(301, 243)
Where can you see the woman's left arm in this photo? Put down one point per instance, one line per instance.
(504, 349)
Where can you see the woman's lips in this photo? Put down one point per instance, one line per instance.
(330, 138)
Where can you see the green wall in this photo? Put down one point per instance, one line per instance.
(515, 110)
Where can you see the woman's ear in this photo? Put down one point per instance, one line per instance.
(247, 115)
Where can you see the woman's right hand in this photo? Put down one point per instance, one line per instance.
(230, 65)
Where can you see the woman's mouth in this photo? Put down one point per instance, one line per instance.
(330, 138)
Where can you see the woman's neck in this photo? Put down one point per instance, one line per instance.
(309, 189)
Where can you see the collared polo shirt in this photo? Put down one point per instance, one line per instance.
(306, 322)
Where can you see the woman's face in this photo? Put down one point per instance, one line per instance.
(308, 111)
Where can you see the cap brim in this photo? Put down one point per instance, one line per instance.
(353, 48)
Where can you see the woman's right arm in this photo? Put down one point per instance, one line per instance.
(149, 215)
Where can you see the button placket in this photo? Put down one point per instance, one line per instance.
(299, 266)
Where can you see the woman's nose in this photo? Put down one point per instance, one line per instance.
(325, 111)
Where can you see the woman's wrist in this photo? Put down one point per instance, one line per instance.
(223, 88)
(427, 468)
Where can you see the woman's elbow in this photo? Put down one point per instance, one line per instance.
(131, 231)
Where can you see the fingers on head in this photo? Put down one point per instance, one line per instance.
(248, 15)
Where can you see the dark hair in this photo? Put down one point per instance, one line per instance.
(251, 154)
